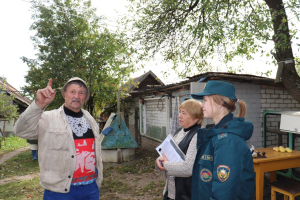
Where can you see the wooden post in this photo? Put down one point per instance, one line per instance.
(4, 134)
(119, 156)
(118, 106)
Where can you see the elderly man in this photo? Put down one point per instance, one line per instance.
(69, 146)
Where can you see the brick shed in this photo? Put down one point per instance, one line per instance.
(150, 113)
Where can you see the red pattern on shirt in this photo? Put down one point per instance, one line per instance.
(86, 162)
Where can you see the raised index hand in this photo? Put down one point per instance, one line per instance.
(45, 96)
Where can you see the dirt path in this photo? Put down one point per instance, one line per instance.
(11, 154)
(8, 156)
(19, 178)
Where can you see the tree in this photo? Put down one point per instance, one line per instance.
(193, 31)
(298, 65)
(71, 42)
(8, 111)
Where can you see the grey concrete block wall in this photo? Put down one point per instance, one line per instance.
(250, 94)
(277, 99)
(156, 116)
(257, 97)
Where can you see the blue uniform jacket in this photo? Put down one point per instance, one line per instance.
(223, 167)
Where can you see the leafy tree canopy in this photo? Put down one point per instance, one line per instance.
(8, 111)
(194, 32)
(71, 41)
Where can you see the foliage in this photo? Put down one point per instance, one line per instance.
(298, 65)
(12, 143)
(266, 74)
(71, 41)
(235, 70)
(196, 33)
(8, 111)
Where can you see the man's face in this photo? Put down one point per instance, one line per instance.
(75, 97)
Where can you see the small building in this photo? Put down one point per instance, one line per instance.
(18, 99)
(153, 104)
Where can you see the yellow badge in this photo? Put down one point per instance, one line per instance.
(223, 172)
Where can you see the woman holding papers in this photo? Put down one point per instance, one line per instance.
(178, 173)
(223, 166)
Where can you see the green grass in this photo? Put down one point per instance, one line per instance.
(144, 167)
(29, 189)
(12, 143)
(20, 165)
(116, 180)
(113, 185)
(145, 164)
(154, 188)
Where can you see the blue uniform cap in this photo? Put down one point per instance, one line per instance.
(217, 87)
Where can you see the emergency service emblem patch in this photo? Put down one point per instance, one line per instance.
(222, 135)
(223, 172)
(205, 175)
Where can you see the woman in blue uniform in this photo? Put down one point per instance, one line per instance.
(223, 167)
(178, 173)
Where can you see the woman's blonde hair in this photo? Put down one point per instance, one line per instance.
(194, 109)
(230, 104)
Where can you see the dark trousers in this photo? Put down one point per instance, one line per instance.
(80, 192)
(166, 196)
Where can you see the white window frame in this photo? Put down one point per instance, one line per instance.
(143, 116)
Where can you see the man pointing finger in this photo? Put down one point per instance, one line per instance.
(45, 96)
(69, 143)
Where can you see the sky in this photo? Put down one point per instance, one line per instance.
(15, 41)
(15, 35)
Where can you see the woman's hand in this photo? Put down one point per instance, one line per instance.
(164, 157)
(159, 163)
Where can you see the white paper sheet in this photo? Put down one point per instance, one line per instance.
(170, 149)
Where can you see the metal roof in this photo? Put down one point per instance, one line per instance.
(204, 77)
(12, 91)
(137, 82)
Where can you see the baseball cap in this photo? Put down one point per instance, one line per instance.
(217, 87)
(76, 79)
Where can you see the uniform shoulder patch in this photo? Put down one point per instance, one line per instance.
(222, 136)
(205, 175)
(223, 172)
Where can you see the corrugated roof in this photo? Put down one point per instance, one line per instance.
(12, 91)
(138, 80)
(244, 78)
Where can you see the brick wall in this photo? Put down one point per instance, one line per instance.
(156, 113)
(156, 123)
(149, 143)
(257, 97)
(276, 99)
